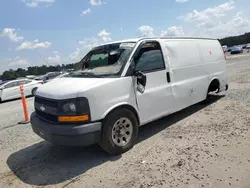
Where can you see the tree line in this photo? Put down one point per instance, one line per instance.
(33, 70)
(236, 40)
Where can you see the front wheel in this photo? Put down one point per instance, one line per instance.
(119, 132)
(33, 92)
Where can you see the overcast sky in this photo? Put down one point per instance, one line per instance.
(33, 32)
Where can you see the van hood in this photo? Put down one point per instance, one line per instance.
(67, 88)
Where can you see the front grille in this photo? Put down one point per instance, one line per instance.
(48, 102)
(46, 109)
(47, 117)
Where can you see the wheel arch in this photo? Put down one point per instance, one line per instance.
(214, 84)
(123, 105)
(33, 90)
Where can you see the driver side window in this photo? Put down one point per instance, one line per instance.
(12, 84)
(149, 58)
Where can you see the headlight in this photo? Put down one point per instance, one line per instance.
(78, 107)
(69, 107)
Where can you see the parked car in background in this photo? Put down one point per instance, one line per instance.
(62, 75)
(31, 77)
(229, 49)
(224, 48)
(49, 76)
(41, 77)
(21, 78)
(11, 89)
(236, 50)
(248, 46)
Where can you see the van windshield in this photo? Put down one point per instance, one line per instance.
(104, 61)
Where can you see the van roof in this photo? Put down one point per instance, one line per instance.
(153, 38)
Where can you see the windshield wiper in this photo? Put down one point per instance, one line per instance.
(87, 74)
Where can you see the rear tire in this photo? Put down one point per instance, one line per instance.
(119, 131)
(33, 92)
(213, 87)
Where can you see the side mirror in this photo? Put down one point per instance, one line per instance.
(141, 81)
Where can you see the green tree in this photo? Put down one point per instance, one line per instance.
(34, 70)
(236, 40)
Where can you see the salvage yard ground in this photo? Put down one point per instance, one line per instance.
(206, 145)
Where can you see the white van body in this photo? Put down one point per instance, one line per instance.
(192, 68)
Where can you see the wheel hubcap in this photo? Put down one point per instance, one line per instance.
(122, 131)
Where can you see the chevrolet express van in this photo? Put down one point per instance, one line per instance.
(120, 86)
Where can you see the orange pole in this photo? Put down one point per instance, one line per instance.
(25, 109)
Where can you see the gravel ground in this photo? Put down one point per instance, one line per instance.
(201, 146)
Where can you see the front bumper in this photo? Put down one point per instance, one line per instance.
(66, 134)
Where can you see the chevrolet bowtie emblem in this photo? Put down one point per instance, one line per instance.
(42, 108)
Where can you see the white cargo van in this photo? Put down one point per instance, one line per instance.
(120, 86)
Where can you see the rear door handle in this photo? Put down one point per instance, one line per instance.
(168, 77)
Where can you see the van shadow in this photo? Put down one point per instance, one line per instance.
(45, 164)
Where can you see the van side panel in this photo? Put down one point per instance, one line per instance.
(192, 64)
(214, 61)
(188, 75)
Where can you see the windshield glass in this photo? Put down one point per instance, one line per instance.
(40, 78)
(107, 60)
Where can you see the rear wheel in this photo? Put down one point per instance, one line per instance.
(33, 92)
(119, 132)
(213, 87)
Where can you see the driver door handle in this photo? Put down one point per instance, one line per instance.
(168, 77)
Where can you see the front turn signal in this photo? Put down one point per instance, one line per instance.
(65, 119)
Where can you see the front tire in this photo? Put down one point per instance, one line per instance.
(33, 92)
(119, 131)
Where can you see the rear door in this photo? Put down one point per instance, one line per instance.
(157, 99)
(189, 78)
(214, 61)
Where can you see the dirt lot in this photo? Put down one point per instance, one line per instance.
(201, 146)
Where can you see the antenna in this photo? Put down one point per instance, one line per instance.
(42, 57)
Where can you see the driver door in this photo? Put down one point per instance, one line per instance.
(156, 101)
